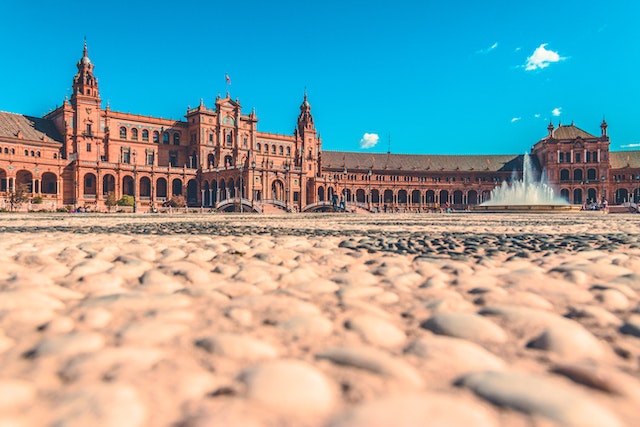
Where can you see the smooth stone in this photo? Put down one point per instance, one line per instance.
(16, 393)
(568, 340)
(95, 318)
(156, 281)
(413, 410)
(601, 378)
(290, 387)
(455, 354)
(465, 325)
(375, 361)
(307, 326)
(275, 308)
(631, 326)
(110, 360)
(540, 395)
(237, 346)
(242, 316)
(91, 266)
(102, 405)
(348, 292)
(376, 331)
(612, 299)
(28, 299)
(598, 314)
(68, 345)
(150, 332)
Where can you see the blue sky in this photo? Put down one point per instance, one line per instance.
(454, 77)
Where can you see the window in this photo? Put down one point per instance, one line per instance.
(244, 142)
(588, 159)
(88, 147)
(577, 159)
(561, 157)
(288, 151)
(33, 153)
(150, 157)
(176, 138)
(165, 138)
(13, 151)
(193, 137)
(123, 132)
(126, 155)
(26, 152)
(88, 181)
(134, 134)
(6, 150)
(211, 137)
(173, 158)
(273, 149)
(229, 138)
(156, 136)
(88, 129)
(258, 147)
(266, 148)
(145, 135)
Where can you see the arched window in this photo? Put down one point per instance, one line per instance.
(258, 147)
(564, 175)
(123, 132)
(33, 153)
(156, 136)
(6, 150)
(176, 138)
(145, 135)
(134, 134)
(37, 154)
(281, 150)
(591, 174)
(26, 152)
(273, 149)
(165, 138)
(288, 151)
(229, 138)
(266, 148)
(13, 151)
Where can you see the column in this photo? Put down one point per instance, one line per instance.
(211, 197)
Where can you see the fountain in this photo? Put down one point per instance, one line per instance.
(527, 194)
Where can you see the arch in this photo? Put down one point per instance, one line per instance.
(457, 197)
(360, 196)
(206, 200)
(564, 175)
(444, 197)
(592, 195)
(266, 148)
(564, 193)
(192, 192)
(231, 188)
(281, 150)
(49, 183)
(347, 194)
(89, 186)
(388, 196)
(156, 136)
(486, 195)
(228, 161)
(402, 197)
(24, 180)
(4, 181)
(161, 188)
(577, 196)
(321, 194)
(472, 197)
(214, 193)
(123, 132)
(375, 196)
(210, 160)
(145, 187)
(145, 135)
(258, 147)
(592, 174)
(165, 138)
(431, 196)
(134, 134)
(415, 197)
(176, 138)
(176, 187)
(621, 196)
(577, 176)
(223, 190)
(277, 190)
(108, 184)
(636, 195)
(127, 185)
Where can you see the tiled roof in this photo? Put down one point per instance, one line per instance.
(31, 128)
(420, 162)
(570, 132)
(620, 159)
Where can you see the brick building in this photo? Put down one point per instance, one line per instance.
(80, 154)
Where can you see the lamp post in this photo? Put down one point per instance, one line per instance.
(286, 186)
(344, 207)
(135, 183)
(603, 194)
(216, 169)
(241, 187)
(253, 181)
(369, 189)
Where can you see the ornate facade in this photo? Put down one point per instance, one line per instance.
(82, 155)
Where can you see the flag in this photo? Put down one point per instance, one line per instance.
(227, 78)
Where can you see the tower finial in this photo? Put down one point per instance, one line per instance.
(85, 51)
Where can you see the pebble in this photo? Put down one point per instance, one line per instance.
(237, 346)
(600, 378)
(540, 395)
(312, 326)
(67, 345)
(290, 387)
(150, 332)
(102, 405)
(413, 410)
(454, 355)
(569, 340)
(631, 326)
(376, 331)
(465, 325)
(373, 360)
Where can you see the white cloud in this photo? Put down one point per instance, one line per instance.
(515, 119)
(369, 140)
(489, 49)
(536, 115)
(556, 111)
(541, 58)
(635, 145)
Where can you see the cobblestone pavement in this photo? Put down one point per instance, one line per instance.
(202, 320)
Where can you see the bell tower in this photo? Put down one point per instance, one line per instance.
(307, 140)
(86, 133)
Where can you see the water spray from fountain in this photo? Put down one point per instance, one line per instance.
(527, 191)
